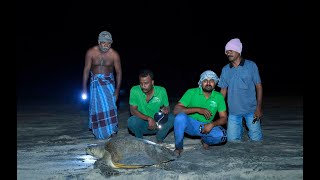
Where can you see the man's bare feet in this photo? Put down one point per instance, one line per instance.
(113, 135)
(204, 145)
(177, 152)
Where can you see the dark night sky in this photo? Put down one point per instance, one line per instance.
(178, 40)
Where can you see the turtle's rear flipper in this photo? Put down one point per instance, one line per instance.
(126, 166)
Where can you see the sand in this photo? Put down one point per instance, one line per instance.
(52, 136)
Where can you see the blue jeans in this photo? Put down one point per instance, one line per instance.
(235, 128)
(139, 127)
(185, 124)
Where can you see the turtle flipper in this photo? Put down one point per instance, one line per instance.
(126, 166)
(108, 171)
(105, 168)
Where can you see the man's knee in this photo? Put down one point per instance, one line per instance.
(233, 137)
(256, 136)
(171, 118)
(255, 133)
(132, 123)
(181, 117)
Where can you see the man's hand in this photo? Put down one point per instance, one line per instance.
(116, 94)
(152, 124)
(206, 128)
(258, 113)
(207, 114)
(165, 110)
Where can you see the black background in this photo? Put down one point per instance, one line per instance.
(178, 40)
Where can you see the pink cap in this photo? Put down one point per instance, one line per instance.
(234, 45)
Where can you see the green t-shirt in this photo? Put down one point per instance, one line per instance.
(194, 97)
(138, 98)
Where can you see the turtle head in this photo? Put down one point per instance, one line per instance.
(95, 150)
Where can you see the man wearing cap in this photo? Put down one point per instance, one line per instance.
(240, 84)
(195, 114)
(146, 101)
(100, 62)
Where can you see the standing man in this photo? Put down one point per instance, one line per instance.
(146, 100)
(101, 61)
(195, 113)
(240, 82)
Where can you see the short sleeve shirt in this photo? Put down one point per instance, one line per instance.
(149, 108)
(240, 82)
(194, 97)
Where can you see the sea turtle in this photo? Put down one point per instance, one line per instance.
(128, 152)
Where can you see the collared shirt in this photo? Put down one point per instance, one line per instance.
(241, 84)
(149, 108)
(194, 97)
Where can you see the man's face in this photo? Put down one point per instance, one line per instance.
(146, 84)
(104, 46)
(208, 85)
(232, 55)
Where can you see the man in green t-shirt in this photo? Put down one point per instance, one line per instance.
(146, 100)
(195, 113)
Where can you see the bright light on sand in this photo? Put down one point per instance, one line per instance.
(87, 159)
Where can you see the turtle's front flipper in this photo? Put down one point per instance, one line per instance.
(109, 171)
(105, 168)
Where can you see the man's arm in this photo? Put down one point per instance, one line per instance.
(166, 106)
(222, 119)
(259, 112)
(134, 111)
(179, 107)
(118, 69)
(188, 110)
(223, 91)
(219, 122)
(86, 70)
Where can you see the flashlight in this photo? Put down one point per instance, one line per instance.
(160, 118)
(201, 127)
(84, 96)
(255, 119)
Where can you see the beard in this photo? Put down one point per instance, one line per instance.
(104, 49)
(146, 90)
(231, 58)
(207, 89)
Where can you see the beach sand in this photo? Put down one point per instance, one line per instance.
(52, 137)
